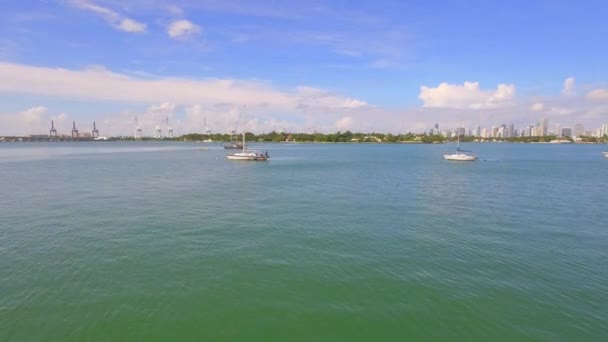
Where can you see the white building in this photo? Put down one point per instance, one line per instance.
(484, 133)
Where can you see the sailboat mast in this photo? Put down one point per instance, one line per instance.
(243, 132)
(458, 136)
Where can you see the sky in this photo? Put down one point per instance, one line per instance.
(334, 65)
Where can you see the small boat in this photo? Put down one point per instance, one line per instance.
(247, 155)
(605, 154)
(233, 146)
(460, 155)
(251, 156)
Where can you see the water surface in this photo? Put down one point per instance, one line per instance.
(170, 241)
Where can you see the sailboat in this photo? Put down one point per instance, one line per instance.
(247, 155)
(460, 155)
(234, 145)
(606, 154)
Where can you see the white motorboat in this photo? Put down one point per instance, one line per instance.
(605, 154)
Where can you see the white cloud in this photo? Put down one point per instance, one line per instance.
(35, 120)
(468, 95)
(598, 94)
(537, 107)
(130, 25)
(175, 10)
(344, 123)
(314, 97)
(187, 101)
(98, 83)
(115, 19)
(61, 117)
(34, 114)
(568, 86)
(181, 29)
(222, 95)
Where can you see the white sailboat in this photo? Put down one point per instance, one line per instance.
(460, 155)
(247, 155)
(606, 154)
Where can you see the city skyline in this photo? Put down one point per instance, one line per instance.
(299, 66)
(542, 128)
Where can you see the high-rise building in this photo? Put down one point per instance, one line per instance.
(579, 130)
(566, 132)
(535, 131)
(544, 126)
(484, 133)
(494, 131)
(477, 131)
(510, 131)
(501, 132)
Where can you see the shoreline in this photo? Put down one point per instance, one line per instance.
(27, 140)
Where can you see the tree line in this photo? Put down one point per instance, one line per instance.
(350, 137)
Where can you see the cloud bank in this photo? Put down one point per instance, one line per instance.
(189, 103)
(100, 84)
(469, 96)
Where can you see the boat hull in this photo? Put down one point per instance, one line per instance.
(459, 157)
(606, 154)
(233, 147)
(247, 157)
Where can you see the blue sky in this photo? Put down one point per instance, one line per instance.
(301, 65)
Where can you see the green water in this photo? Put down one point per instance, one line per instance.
(159, 241)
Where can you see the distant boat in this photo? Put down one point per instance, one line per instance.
(233, 145)
(461, 154)
(605, 154)
(560, 141)
(247, 155)
(207, 140)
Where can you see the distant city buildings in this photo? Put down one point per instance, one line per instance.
(510, 131)
(435, 130)
(579, 130)
(544, 127)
